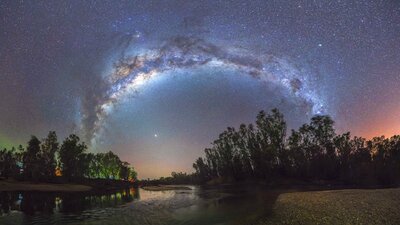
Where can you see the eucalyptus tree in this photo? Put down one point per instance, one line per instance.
(48, 149)
(343, 150)
(202, 170)
(31, 159)
(72, 157)
(271, 133)
(8, 163)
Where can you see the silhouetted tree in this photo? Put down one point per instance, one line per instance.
(202, 170)
(38, 161)
(72, 157)
(49, 147)
(314, 151)
(31, 159)
(361, 168)
(8, 163)
(343, 150)
(243, 143)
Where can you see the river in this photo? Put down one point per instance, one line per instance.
(198, 206)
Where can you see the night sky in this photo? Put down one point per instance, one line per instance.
(157, 81)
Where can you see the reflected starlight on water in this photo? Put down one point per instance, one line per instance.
(134, 206)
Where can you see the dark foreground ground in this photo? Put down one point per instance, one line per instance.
(351, 206)
(233, 204)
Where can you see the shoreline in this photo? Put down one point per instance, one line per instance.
(7, 185)
(93, 185)
(165, 187)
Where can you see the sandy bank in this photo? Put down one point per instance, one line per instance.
(29, 186)
(165, 188)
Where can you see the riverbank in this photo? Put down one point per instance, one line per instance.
(350, 206)
(10, 185)
(63, 185)
(165, 188)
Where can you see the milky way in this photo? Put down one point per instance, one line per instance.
(157, 81)
(133, 70)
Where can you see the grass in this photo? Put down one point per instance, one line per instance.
(10, 185)
(351, 206)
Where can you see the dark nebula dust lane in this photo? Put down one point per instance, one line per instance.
(133, 71)
(156, 81)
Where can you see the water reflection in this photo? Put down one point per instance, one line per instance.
(31, 203)
(235, 205)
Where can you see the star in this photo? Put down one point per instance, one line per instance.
(102, 69)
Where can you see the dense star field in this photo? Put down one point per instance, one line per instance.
(157, 81)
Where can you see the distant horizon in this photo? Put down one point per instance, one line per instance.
(191, 170)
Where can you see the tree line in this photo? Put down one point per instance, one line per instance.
(46, 159)
(313, 152)
(175, 178)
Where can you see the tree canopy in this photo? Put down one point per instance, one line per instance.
(46, 159)
(313, 152)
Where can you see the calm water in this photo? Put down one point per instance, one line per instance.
(198, 206)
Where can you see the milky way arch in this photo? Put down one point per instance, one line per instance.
(132, 71)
